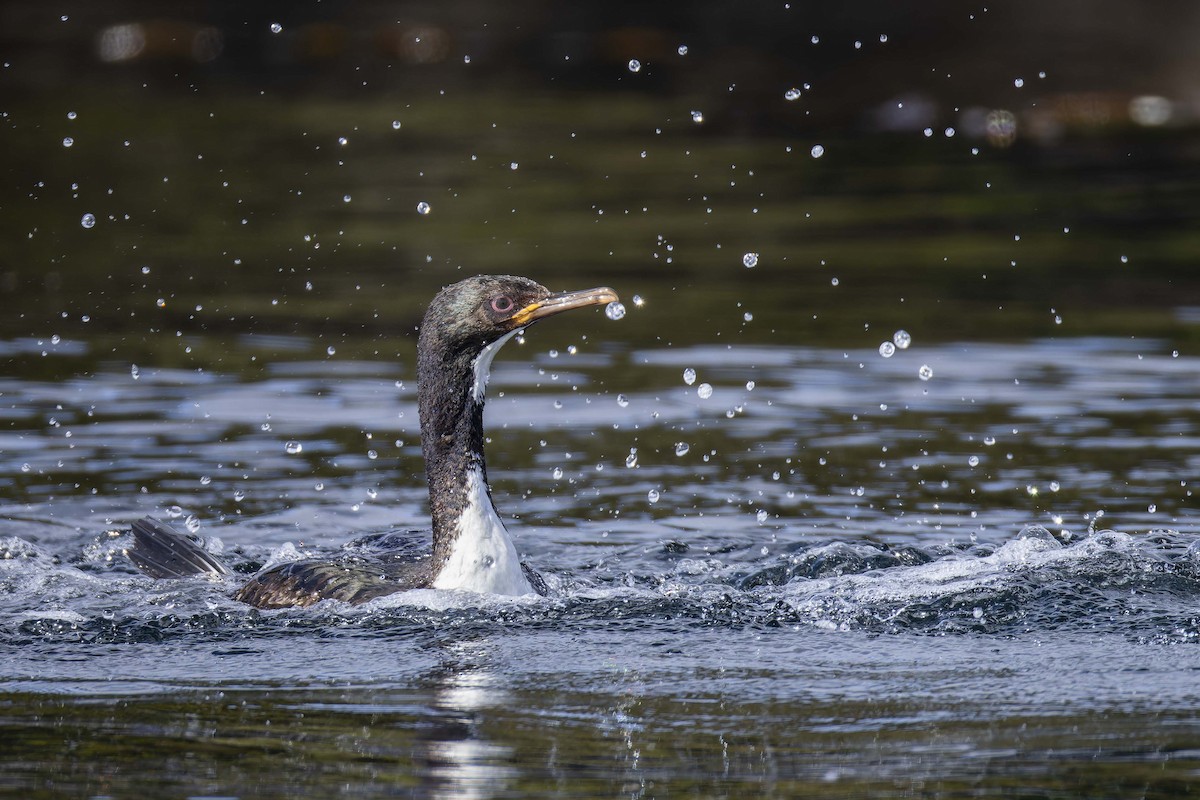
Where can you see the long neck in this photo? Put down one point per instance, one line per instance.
(450, 400)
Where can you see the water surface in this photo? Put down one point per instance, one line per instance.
(851, 580)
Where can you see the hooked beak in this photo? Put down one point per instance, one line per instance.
(556, 303)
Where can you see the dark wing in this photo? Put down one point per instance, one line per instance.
(536, 581)
(160, 551)
(303, 583)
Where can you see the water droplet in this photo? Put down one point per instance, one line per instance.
(614, 310)
(622, 400)
(1152, 508)
(815, 39)
(513, 165)
(71, 115)
(638, 300)
(750, 386)
(68, 141)
(343, 141)
(1019, 82)
(683, 50)
(134, 372)
(293, 447)
(791, 94)
(25, 467)
(276, 27)
(192, 523)
(748, 317)
(238, 495)
(925, 372)
(883, 38)
(697, 116)
(750, 260)
(161, 303)
(887, 349)
(689, 376)
(88, 220)
(631, 460)
(653, 495)
(635, 65)
(834, 281)
(682, 448)
(423, 208)
(902, 338)
(817, 151)
(1124, 259)
(973, 461)
(704, 391)
(762, 516)
(55, 339)
(205, 480)
(557, 473)
(989, 440)
(346, 198)
(145, 270)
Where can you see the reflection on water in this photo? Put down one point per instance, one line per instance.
(468, 764)
(852, 580)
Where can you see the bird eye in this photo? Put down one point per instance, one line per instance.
(502, 304)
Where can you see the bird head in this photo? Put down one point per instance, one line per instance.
(473, 313)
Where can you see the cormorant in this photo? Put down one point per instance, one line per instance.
(464, 326)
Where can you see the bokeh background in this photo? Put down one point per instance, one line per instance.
(1005, 171)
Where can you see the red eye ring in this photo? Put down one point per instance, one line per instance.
(502, 304)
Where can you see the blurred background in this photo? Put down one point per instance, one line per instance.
(1004, 172)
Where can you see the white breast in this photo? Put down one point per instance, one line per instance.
(482, 558)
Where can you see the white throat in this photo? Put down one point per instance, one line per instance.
(482, 558)
(483, 365)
